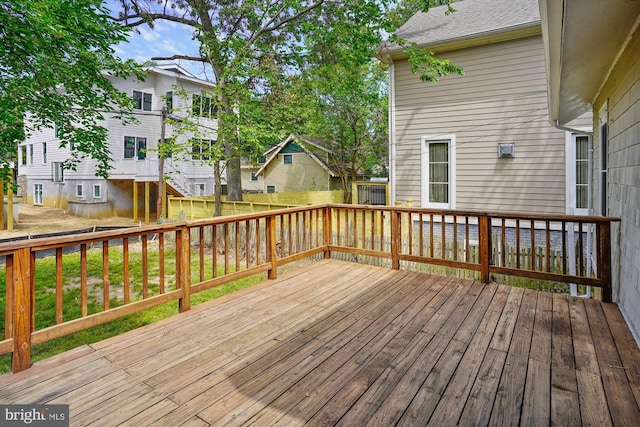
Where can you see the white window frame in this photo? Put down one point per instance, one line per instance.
(44, 153)
(30, 154)
(424, 168)
(80, 191)
(267, 189)
(57, 172)
(97, 191)
(38, 195)
(570, 167)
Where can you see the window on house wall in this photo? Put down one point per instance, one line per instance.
(142, 100)
(582, 171)
(141, 148)
(44, 152)
(604, 153)
(254, 177)
(30, 154)
(129, 147)
(271, 189)
(135, 147)
(168, 101)
(203, 106)
(438, 160)
(97, 191)
(287, 159)
(201, 149)
(37, 194)
(23, 155)
(79, 191)
(57, 172)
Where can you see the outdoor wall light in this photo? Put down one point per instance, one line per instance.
(507, 149)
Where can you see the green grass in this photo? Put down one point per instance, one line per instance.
(46, 299)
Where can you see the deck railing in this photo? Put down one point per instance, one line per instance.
(93, 278)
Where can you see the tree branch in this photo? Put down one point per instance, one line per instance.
(174, 57)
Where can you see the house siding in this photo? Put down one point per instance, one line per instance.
(304, 174)
(621, 98)
(501, 98)
(117, 192)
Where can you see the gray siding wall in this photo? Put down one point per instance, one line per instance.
(501, 98)
(621, 94)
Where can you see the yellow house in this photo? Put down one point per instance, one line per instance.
(297, 164)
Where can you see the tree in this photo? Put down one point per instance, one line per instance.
(52, 63)
(251, 44)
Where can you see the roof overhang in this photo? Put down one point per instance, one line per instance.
(529, 29)
(583, 40)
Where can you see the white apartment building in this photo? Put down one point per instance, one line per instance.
(132, 185)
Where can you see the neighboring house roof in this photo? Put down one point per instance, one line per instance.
(483, 21)
(583, 40)
(174, 70)
(304, 142)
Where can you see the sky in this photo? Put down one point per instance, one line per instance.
(165, 39)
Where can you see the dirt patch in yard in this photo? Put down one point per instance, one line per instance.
(35, 220)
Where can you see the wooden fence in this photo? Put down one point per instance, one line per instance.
(102, 276)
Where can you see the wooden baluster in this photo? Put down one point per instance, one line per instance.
(226, 248)
(83, 279)
(564, 247)
(145, 267)
(214, 250)
(201, 251)
(548, 244)
(105, 276)
(518, 244)
(125, 268)
(581, 249)
(455, 238)
(59, 289)
(271, 247)
(484, 240)
(161, 261)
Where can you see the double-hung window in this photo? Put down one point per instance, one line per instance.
(135, 147)
(142, 100)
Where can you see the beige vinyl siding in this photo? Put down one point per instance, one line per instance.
(304, 174)
(501, 98)
(621, 93)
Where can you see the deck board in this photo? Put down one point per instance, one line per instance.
(337, 343)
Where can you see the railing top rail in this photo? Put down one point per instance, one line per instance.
(84, 238)
(491, 214)
(43, 243)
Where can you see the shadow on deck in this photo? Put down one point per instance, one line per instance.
(339, 343)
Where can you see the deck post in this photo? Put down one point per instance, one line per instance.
(2, 199)
(603, 231)
(326, 231)
(135, 200)
(272, 256)
(21, 306)
(484, 236)
(183, 275)
(396, 238)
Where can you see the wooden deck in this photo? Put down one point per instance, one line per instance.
(338, 343)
